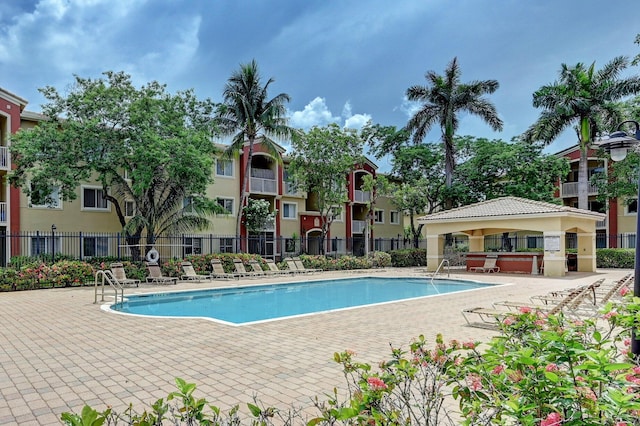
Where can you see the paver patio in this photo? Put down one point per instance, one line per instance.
(59, 350)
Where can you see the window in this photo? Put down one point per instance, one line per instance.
(289, 211)
(290, 245)
(336, 213)
(378, 216)
(224, 168)
(42, 245)
(93, 199)
(534, 242)
(187, 204)
(129, 208)
(632, 208)
(394, 217)
(226, 203)
(289, 184)
(45, 198)
(226, 245)
(192, 245)
(95, 246)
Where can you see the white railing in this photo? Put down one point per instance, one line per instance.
(601, 224)
(290, 189)
(263, 173)
(570, 189)
(263, 186)
(357, 226)
(361, 196)
(4, 158)
(3, 212)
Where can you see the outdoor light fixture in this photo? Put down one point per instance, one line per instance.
(617, 145)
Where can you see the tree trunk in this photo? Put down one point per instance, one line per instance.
(583, 179)
(243, 196)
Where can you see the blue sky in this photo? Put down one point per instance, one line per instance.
(342, 61)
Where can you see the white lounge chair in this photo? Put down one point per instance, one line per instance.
(489, 265)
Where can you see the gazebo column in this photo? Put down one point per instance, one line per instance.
(586, 252)
(435, 251)
(554, 254)
(476, 243)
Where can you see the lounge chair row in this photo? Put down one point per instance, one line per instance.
(295, 266)
(583, 301)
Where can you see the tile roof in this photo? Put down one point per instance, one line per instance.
(507, 206)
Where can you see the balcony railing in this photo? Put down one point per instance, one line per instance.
(263, 186)
(270, 226)
(357, 226)
(361, 196)
(3, 213)
(4, 158)
(601, 224)
(570, 189)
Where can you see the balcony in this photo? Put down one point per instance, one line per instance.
(357, 226)
(4, 158)
(570, 189)
(601, 224)
(263, 181)
(361, 196)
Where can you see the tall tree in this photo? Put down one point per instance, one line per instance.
(490, 169)
(321, 160)
(142, 145)
(248, 115)
(586, 99)
(443, 99)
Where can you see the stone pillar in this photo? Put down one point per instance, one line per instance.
(587, 252)
(554, 254)
(435, 251)
(476, 243)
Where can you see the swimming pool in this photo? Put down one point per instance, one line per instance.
(257, 303)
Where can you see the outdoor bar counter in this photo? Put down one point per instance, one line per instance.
(510, 262)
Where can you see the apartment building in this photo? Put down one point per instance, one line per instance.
(619, 227)
(92, 219)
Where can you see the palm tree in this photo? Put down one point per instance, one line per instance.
(247, 115)
(584, 98)
(443, 99)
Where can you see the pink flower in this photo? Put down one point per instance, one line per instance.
(475, 382)
(621, 423)
(623, 292)
(553, 419)
(627, 341)
(525, 309)
(610, 315)
(468, 345)
(579, 379)
(509, 321)
(498, 369)
(551, 367)
(376, 383)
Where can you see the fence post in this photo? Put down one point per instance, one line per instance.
(81, 246)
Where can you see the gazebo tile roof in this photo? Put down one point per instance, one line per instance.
(505, 206)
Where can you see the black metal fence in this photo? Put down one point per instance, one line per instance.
(85, 245)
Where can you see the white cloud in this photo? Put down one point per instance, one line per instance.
(315, 113)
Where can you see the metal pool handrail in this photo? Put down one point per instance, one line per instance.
(440, 267)
(106, 275)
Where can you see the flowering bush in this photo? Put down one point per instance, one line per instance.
(380, 259)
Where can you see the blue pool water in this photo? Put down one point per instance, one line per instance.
(242, 305)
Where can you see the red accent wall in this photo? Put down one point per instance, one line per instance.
(13, 110)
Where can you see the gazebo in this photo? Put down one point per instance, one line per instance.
(510, 214)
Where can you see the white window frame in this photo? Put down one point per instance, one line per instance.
(376, 213)
(337, 217)
(628, 212)
(295, 211)
(56, 205)
(46, 239)
(93, 209)
(129, 211)
(192, 245)
(224, 169)
(397, 221)
(233, 203)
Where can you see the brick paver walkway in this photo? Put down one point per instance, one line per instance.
(59, 350)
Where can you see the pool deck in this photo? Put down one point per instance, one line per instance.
(59, 350)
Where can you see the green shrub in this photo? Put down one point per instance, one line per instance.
(615, 258)
(379, 259)
(408, 257)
